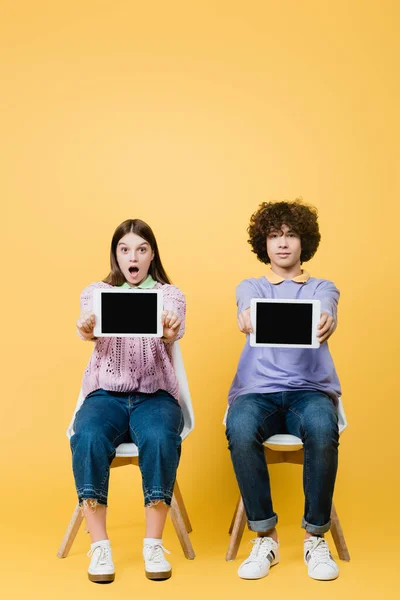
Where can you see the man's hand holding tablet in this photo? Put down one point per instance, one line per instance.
(244, 322)
(282, 315)
(326, 327)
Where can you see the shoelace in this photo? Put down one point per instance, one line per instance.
(262, 547)
(156, 553)
(104, 554)
(318, 550)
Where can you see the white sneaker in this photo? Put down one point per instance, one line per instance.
(101, 568)
(265, 554)
(155, 564)
(319, 560)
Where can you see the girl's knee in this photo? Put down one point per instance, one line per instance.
(91, 438)
(160, 438)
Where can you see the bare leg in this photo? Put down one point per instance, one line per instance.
(95, 516)
(156, 516)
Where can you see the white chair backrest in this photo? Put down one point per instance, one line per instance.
(185, 399)
(342, 421)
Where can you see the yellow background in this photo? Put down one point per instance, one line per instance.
(188, 115)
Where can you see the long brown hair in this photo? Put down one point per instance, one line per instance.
(140, 228)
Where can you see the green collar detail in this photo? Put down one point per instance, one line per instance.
(148, 283)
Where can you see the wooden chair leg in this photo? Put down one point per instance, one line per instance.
(71, 532)
(181, 504)
(237, 531)
(234, 516)
(180, 528)
(338, 537)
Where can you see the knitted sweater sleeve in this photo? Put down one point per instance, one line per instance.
(86, 302)
(87, 295)
(174, 300)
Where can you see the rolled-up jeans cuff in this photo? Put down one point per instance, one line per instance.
(315, 529)
(264, 525)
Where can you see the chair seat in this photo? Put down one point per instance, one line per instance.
(128, 449)
(281, 441)
(284, 441)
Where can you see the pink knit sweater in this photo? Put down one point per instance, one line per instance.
(133, 364)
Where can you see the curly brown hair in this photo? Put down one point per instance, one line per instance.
(298, 216)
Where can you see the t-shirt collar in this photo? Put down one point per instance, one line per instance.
(148, 283)
(274, 278)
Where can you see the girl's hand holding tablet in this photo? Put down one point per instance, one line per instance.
(171, 323)
(85, 325)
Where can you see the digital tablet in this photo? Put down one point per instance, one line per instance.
(284, 323)
(128, 313)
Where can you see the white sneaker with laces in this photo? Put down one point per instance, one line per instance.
(319, 560)
(155, 564)
(265, 554)
(101, 568)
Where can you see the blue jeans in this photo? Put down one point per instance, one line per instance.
(309, 415)
(106, 419)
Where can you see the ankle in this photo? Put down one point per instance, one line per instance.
(150, 541)
(307, 535)
(100, 542)
(271, 533)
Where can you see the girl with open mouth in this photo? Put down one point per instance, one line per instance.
(131, 395)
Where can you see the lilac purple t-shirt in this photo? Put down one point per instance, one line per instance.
(267, 370)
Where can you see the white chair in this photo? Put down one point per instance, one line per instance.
(127, 454)
(285, 448)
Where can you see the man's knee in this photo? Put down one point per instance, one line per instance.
(241, 427)
(322, 433)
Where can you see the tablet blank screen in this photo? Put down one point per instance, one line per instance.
(279, 323)
(129, 313)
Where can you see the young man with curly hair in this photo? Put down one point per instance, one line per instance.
(285, 390)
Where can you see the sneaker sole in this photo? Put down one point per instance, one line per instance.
(103, 578)
(327, 578)
(262, 576)
(158, 575)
